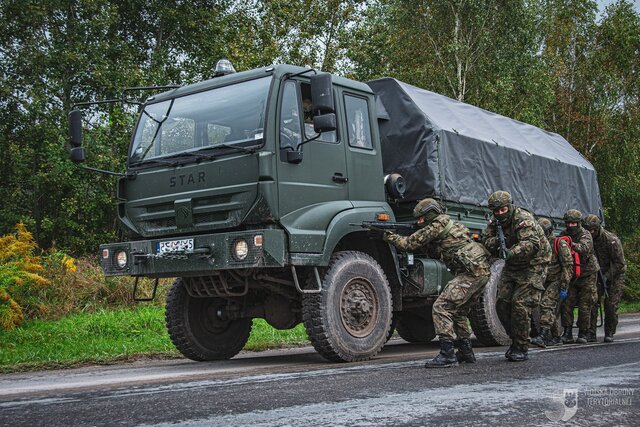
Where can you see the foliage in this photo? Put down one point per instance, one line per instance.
(19, 278)
(554, 63)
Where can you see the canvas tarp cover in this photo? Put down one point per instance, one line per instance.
(461, 153)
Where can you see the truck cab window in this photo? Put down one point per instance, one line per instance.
(290, 124)
(358, 125)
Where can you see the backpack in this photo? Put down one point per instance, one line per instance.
(575, 255)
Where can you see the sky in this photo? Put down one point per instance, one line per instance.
(602, 4)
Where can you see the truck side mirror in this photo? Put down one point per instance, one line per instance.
(324, 123)
(77, 154)
(322, 94)
(75, 128)
(294, 157)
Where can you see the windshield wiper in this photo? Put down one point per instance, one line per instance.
(162, 162)
(198, 156)
(237, 147)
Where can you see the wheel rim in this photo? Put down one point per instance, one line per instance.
(210, 319)
(359, 307)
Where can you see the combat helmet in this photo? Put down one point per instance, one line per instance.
(498, 200)
(428, 208)
(593, 224)
(547, 226)
(572, 215)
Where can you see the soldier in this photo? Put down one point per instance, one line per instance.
(449, 241)
(610, 256)
(527, 253)
(559, 274)
(583, 290)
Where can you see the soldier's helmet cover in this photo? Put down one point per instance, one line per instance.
(428, 208)
(570, 216)
(593, 224)
(546, 226)
(498, 200)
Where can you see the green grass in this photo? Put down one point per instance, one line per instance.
(110, 336)
(629, 307)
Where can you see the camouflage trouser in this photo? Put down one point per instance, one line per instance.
(611, 303)
(582, 293)
(451, 309)
(519, 291)
(550, 306)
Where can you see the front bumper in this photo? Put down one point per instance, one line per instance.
(210, 252)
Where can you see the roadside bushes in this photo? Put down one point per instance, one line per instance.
(20, 279)
(632, 282)
(52, 284)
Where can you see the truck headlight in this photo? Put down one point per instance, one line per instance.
(121, 259)
(240, 249)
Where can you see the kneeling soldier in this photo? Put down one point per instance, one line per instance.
(559, 274)
(447, 240)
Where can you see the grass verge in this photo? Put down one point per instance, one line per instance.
(110, 336)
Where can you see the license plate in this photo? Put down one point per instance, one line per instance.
(175, 246)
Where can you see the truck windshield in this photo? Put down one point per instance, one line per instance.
(220, 116)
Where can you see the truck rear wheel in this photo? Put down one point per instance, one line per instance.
(197, 330)
(415, 328)
(350, 318)
(483, 315)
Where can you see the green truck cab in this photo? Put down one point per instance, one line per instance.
(249, 188)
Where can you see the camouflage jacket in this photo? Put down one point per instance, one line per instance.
(583, 244)
(524, 237)
(561, 266)
(448, 241)
(610, 256)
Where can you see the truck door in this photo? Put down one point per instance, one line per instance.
(362, 149)
(313, 191)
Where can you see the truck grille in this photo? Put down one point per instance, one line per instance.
(209, 212)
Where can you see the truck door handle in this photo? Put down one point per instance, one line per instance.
(337, 177)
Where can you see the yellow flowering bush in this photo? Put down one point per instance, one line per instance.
(20, 274)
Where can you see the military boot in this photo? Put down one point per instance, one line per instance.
(591, 337)
(446, 358)
(542, 339)
(554, 341)
(567, 336)
(507, 354)
(582, 337)
(608, 338)
(518, 355)
(465, 352)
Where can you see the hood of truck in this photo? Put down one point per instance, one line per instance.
(189, 198)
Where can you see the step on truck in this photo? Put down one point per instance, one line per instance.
(250, 188)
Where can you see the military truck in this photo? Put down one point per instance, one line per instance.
(250, 188)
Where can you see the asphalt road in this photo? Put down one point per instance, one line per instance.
(595, 384)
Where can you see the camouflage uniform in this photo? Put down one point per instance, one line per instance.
(582, 291)
(451, 242)
(524, 272)
(559, 275)
(608, 250)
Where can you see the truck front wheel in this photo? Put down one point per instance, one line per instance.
(198, 329)
(350, 318)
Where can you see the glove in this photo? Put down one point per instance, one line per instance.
(563, 294)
